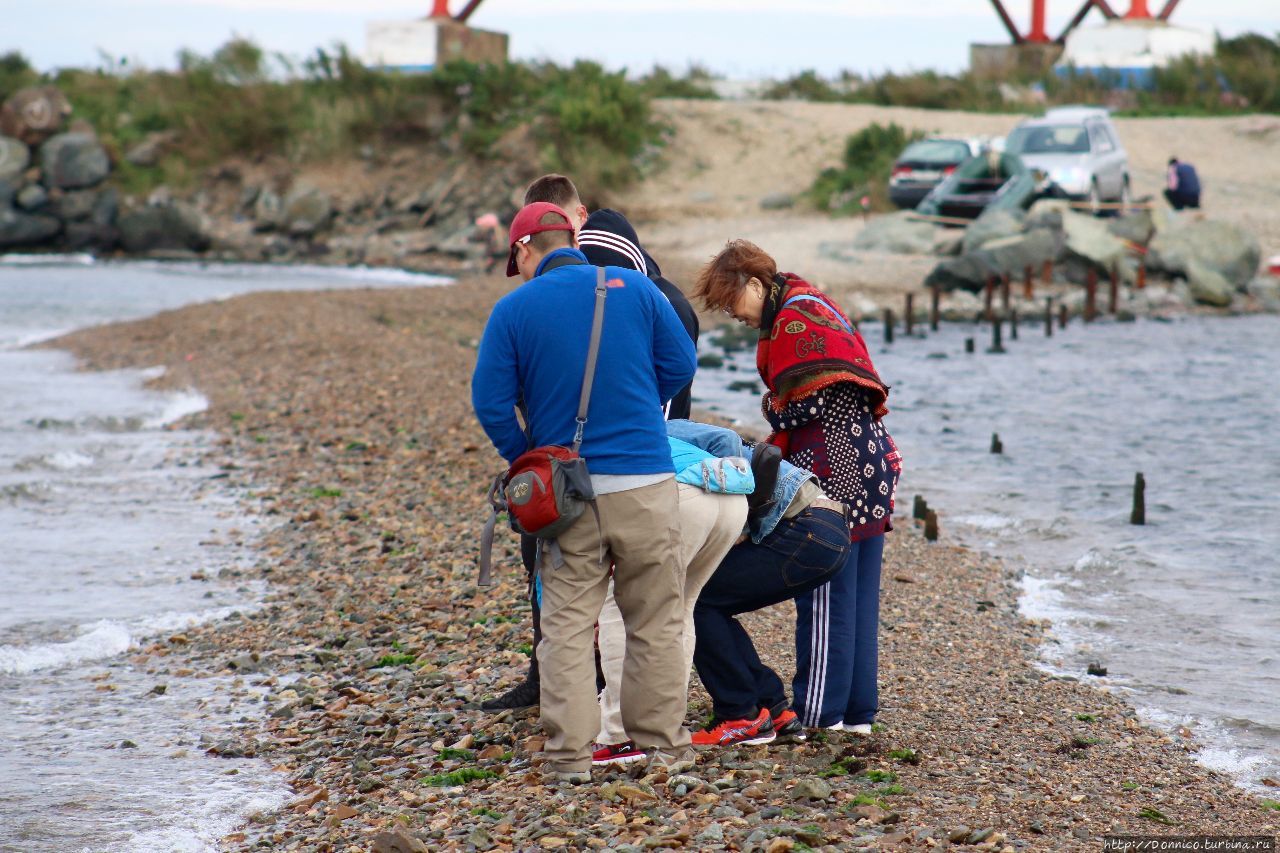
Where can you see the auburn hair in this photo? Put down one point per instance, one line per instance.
(722, 281)
(556, 189)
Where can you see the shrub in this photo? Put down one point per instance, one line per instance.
(661, 83)
(868, 160)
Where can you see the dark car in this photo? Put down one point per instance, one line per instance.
(993, 180)
(923, 165)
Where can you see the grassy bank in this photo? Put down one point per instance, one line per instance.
(242, 102)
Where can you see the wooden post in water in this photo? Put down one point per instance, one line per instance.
(1005, 295)
(1113, 295)
(988, 294)
(1062, 316)
(997, 345)
(935, 298)
(888, 325)
(920, 509)
(1046, 273)
(968, 344)
(1091, 295)
(1139, 514)
(996, 445)
(908, 319)
(931, 526)
(1048, 316)
(1028, 274)
(1013, 324)
(1141, 283)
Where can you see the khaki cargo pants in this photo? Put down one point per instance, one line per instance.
(639, 531)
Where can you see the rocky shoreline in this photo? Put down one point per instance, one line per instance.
(346, 417)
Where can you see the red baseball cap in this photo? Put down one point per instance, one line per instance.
(527, 223)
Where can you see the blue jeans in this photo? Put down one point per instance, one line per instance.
(801, 553)
(836, 643)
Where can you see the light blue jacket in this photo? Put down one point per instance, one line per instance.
(725, 442)
(697, 467)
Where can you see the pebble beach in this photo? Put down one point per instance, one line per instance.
(345, 418)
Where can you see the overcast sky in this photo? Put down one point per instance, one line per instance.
(737, 38)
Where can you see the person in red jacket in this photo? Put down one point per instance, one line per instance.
(825, 403)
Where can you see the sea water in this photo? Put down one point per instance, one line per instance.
(1184, 612)
(114, 531)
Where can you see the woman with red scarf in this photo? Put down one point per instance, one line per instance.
(825, 403)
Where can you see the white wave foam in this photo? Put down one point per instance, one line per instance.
(372, 275)
(149, 373)
(102, 640)
(220, 814)
(986, 521)
(67, 460)
(177, 407)
(1093, 559)
(71, 259)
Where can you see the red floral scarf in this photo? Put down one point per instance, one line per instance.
(811, 345)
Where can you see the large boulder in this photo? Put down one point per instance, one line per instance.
(14, 158)
(967, 272)
(1088, 243)
(26, 229)
(897, 233)
(305, 211)
(73, 206)
(32, 197)
(161, 227)
(90, 236)
(266, 210)
(993, 224)
(33, 115)
(1266, 289)
(1207, 286)
(8, 192)
(74, 161)
(1231, 252)
(1012, 255)
(1135, 227)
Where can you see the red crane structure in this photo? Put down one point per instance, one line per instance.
(1039, 35)
(441, 10)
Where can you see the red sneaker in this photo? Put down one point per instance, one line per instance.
(619, 753)
(728, 732)
(787, 726)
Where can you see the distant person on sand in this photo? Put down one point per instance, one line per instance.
(1183, 185)
(536, 336)
(597, 235)
(825, 402)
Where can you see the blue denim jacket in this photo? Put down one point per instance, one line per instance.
(725, 442)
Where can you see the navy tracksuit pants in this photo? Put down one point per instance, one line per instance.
(837, 654)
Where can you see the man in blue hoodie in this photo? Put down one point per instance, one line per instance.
(534, 349)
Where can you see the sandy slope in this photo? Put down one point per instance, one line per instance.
(724, 156)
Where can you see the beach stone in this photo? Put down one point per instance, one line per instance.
(305, 210)
(948, 242)
(30, 197)
(1088, 242)
(26, 229)
(958, 834)
(399, 841)
(165, 227)
(266, 210)
(148, 152)
(896, 233)
(1266, 289)
(85, 236)
(34, 114)
(811, 789)
(1207, 286)
(1226, 249)
(993, 224)
(74, 206)
(712, 833)
(967, 272)
(73, 161)
(778, 201)
(14, 158)
(1012, 255)
(980, 835)
(1137, 226)
(8, 190)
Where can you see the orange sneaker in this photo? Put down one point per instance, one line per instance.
(729, 732)
(787, 726)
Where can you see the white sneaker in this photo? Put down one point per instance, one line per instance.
(863, 729)
(835, 727)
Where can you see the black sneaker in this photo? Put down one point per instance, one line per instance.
(523, 695)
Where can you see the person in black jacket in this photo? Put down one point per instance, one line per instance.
(606, 237)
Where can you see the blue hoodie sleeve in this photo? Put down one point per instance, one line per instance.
(495, 387)
(675, 359)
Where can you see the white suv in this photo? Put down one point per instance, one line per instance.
(1076, 152)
